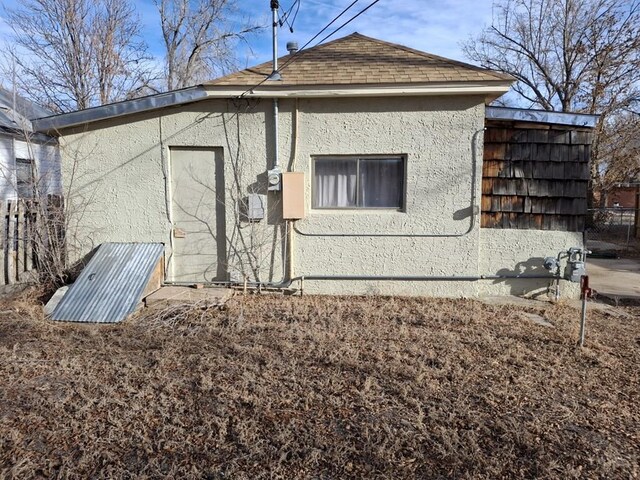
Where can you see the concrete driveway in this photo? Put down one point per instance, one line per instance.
(617, 278)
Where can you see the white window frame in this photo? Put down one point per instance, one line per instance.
(359, 158)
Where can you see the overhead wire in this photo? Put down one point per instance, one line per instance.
(285, 15)
(295, 55)
(345, 23)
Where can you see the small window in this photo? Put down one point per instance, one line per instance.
(24, 177)
(358, 182)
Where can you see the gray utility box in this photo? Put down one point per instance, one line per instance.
(256, 207)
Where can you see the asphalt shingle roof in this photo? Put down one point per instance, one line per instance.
(360, 60)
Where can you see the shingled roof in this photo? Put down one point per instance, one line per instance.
(352, 66)
(360, 60)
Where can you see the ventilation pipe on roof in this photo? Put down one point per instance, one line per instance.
(292, 47)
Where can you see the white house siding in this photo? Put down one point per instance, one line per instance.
(7, 166)
(119, 186)
(47, 160)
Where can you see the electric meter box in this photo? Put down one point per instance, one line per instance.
(274, 179)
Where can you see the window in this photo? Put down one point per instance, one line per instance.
(358, 182)
(24, 177)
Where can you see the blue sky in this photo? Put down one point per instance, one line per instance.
(433, 26)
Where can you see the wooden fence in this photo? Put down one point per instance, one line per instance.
(18, 253)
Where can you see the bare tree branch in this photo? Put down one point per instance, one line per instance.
(573, 56)
(76, 54)
(199, 36)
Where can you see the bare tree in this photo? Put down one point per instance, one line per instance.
(199, 36)
(620, 149)
(570, 56)
(567, 55)
(75, 54)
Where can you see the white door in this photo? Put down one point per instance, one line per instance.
(197, 203)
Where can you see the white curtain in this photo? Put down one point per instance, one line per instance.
(381, 183)
(364, 183)
(335, 183)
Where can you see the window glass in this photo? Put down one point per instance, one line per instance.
(24, 177)
(381, 183)
(335, 183)
(358, 182)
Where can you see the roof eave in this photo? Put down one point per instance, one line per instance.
(542, 116)
(119, 109)
(490, 89)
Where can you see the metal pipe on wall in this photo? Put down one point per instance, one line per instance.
(402, 278)
(276, 143)
(472, 222)
(275, 75)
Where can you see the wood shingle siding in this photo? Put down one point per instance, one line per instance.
(535, 177)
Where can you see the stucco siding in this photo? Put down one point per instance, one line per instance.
(117, 172)
(119, 175)
(507, 251)
(114, 179)
(439, 137)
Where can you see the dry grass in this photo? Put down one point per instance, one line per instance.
(281, 387)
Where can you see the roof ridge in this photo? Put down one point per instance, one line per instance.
(355, 43)
(499, 75)
(283, 59)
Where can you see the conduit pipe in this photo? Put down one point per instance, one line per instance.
(276, 143)
(472, 222)
(275, 75)
(402, 278)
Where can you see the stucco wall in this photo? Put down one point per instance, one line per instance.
(440, 138)
(116, 171)
(507, 251)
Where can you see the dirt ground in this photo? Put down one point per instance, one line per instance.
(322, 388)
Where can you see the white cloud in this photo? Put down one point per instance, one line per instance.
(433, 26)
(437, 27)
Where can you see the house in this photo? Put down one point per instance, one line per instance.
(623, 195)
(27, 159)
(359, 170)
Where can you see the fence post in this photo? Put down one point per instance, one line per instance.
(29, 236)
(4, 242)
(11, 237)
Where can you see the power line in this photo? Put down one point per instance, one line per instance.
(346, 23)
(335, 19)
(287, 14)
(294, 56)
(295, 15)
(325, 28)
(304, 46)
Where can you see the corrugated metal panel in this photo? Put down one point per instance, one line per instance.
(541, 116)
(111, 285)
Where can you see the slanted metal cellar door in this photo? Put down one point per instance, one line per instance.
(198, 212)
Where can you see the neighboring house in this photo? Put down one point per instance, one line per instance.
(623, 195)
(388, 193)
(27, 159)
